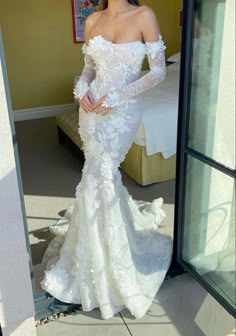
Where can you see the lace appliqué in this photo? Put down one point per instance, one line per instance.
(108, 251)
(156, 47)
(87, 75)
(80, 89)
(155, 52)
(113, 99)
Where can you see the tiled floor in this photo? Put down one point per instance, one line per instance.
(181, 308)
(50, 173)
(85, 324)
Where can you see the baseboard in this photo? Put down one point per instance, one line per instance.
(43, 112)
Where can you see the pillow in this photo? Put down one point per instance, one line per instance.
(174, 58)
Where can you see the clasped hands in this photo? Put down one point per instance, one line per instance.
(90, 105)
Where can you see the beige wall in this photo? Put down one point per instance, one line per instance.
(42, 59)
(167, 12)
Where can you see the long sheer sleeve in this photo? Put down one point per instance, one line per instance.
(156, 58)
(87, 75)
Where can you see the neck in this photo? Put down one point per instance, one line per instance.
(116, 7)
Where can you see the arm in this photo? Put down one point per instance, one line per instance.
(87, 75)
(156, 74)
(88, 72)
(156, 57)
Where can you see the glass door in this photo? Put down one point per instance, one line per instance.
(205, 193)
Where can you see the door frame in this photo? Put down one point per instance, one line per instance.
(183, 151)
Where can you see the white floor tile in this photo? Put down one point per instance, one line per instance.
(84, 324)
(177, 311)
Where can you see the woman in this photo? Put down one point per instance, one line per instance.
(112, 255)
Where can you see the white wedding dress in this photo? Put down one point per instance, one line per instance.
(108, 251)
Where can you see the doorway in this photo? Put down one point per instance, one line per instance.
(50, 170)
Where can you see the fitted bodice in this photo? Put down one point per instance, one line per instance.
(113, 69)
(115, 64)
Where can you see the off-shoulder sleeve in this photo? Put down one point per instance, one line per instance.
(87, 75)
(155, 52)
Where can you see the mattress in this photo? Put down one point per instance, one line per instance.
(158, 128)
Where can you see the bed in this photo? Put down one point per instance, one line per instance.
(152, 157)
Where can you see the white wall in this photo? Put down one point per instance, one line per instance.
(16, 298)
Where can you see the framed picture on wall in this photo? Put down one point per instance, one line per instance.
(81, 9)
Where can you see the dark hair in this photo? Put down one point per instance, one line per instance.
(104, 3)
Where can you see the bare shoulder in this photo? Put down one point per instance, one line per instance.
(92, 18)
(146, 12)
(149, 23)
(90, 22)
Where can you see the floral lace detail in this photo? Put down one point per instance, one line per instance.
(156, 57)
(113, 99)
(155, 48)
(107, 251)
(80, 89)
(88, 73)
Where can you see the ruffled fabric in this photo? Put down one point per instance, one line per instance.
(111, 256)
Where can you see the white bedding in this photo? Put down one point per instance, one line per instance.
(158, 129)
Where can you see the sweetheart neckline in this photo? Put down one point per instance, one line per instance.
(118, 44)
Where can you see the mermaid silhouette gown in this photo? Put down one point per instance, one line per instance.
(108, 251)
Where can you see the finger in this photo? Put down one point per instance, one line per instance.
(84, 105)
(87, 102)
(98, 103)
(98, 111)
(87, 105)
(84, 108)
(106, 111)
(90, 97)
